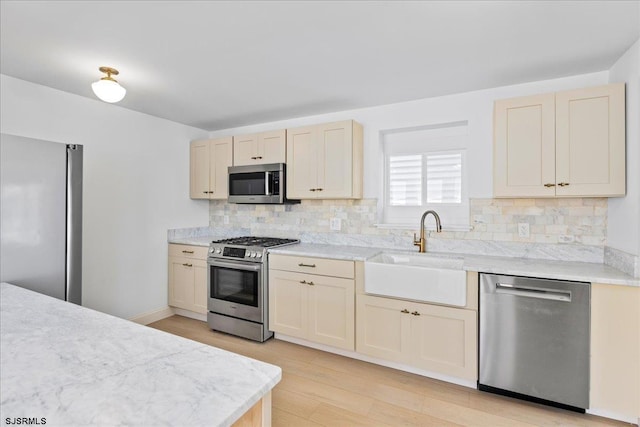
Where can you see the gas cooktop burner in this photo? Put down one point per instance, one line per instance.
(246, 248)
(262, 242)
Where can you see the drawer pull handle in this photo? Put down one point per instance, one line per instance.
(404, 311)
(187, 265)
(304, 282)
(310, 283)
(253, 157)
(563, 184)
(318, 189)
(187, 252)
(313, 189)
(306, 265)
(259, 157)
(549, 185)
(415, 313)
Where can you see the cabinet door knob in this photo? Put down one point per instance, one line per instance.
(188, 265)
(549, 185)
(404, 311)
(563, 184)
(415, 313)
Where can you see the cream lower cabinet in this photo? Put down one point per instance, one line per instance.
(188, 277)
(563, 144)
(615, 351)
(430, 337)
(313, 307)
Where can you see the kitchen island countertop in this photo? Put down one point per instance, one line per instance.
(74, 366)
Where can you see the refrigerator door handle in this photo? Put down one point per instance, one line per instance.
(74, 224)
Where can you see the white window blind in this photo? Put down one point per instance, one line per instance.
(444, 178)
(425, 169)
(405, 180)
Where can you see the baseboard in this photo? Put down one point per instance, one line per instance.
(153, 316)
(190, 314)
(375, 360)
(611, 415)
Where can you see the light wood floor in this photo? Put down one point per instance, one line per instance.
(324, 389)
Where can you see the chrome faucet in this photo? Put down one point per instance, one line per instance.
(423, 241)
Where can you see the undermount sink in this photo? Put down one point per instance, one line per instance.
(419, 277)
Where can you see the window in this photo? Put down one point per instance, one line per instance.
(425, 169)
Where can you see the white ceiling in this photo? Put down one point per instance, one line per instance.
(216, 65)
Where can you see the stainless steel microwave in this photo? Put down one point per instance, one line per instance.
(258, 184)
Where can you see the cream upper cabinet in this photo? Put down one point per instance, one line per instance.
(561, 144)
(305, 303)
(325, 161)
(208, 168)
(524, 147)
(590, 141)
(259, 148)
(188, 277)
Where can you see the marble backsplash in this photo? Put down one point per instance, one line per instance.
(560, 229)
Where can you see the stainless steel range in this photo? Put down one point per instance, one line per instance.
(237, 276)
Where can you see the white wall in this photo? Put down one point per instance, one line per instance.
(476, 107)
(624, 213)
(136, 186)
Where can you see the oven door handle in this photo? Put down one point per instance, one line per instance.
(236, 265)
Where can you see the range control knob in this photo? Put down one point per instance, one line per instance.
(211, 250)
(259, 254)
(218, 250)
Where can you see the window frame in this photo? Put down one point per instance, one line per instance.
(399, 216)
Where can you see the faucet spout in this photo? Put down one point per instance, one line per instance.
(422, 242)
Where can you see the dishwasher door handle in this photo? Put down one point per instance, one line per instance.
(530, 292)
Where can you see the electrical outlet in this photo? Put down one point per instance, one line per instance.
(335, 224)
(523, 229)
(225, 219)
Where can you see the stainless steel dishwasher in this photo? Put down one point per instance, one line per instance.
(534, 339)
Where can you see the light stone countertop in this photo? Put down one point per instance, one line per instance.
(194, 241)
(560, 270)
(532, 267)
(78, 367)
(351, 253)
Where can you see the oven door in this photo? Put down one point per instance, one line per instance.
(236, 289)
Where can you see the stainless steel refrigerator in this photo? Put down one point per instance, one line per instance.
(41, 216)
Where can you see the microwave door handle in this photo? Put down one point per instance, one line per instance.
(267, 180)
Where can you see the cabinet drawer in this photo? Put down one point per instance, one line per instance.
(188, 251)
(311, 265)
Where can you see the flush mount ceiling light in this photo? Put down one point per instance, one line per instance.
(107, 88)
